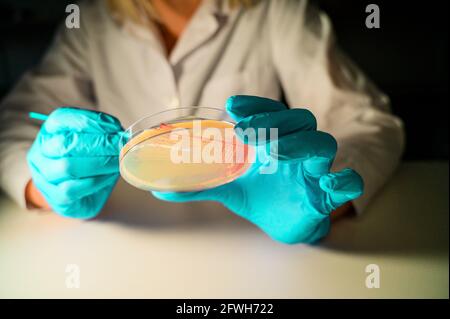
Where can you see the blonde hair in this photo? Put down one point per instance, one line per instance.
(139, 11)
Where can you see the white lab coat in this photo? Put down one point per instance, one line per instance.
(276, 47)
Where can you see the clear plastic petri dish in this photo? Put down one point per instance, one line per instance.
(183, 149)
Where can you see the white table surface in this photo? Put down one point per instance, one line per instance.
(141, 247)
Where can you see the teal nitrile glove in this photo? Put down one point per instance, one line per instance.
(74, 160)
(293, 204)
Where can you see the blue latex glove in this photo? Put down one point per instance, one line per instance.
(74, 160)
(293, 204)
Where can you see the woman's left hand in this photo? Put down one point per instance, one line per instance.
(291, 193)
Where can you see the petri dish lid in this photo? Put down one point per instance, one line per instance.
(183, 149)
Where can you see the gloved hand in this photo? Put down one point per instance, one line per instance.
(293, 204)
(74, 160)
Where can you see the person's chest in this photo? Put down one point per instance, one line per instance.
(216, 57)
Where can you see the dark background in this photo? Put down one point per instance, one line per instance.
(406, 57)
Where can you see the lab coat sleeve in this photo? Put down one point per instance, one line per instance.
(315, 74)
(61, 79)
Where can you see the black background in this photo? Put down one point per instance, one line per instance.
(406, 57)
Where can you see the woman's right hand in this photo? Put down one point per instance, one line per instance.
(74, 161)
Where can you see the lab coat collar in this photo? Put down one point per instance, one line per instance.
(207, 20)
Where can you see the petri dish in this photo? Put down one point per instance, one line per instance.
(183, 149)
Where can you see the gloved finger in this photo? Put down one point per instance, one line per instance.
(74, 190)
(342, 186)
(56, 170)
(86, 208)
(304, 145)
(241, 106)
(285, 122)
(70, 191)
(220, 194)
(75, 144)
(81, 120)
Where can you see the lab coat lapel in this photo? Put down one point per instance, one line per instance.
(148, 34)
(203, 25)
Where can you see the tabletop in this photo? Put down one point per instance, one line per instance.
(139, 247)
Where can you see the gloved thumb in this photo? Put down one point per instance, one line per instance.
(223, 194)
(342, 186)
(240, 106)
(180, 197)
